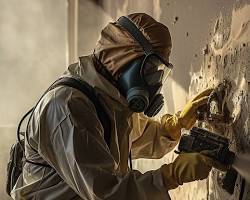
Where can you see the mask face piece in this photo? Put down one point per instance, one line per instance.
(141, 84)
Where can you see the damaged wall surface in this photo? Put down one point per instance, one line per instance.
(227, 57)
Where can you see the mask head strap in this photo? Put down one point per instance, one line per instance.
(136, 34)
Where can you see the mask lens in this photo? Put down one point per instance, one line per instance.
(155, 71)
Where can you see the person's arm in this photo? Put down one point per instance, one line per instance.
(153, 139)
(150, 139)
(73, 144)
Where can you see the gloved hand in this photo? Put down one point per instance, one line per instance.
(186, 167)
(215, 164)
(188, 115)
(185, 118)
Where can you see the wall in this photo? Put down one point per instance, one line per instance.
(227, 58)
(33, 54)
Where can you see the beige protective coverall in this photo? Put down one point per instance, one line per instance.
(68, 135)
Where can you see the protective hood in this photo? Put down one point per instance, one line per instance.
(116, 47)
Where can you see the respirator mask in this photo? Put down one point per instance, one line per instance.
(142, 79)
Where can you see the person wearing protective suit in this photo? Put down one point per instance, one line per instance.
(127, 70)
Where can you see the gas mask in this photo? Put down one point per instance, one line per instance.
(142, 80)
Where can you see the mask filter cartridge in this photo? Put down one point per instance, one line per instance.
(137, 99)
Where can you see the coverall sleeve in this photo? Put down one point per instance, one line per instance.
(149, 138)
(75, 147)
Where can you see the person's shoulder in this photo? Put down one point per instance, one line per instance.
(66, 95)
(63, 99)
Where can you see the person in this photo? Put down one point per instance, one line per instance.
(126, 70)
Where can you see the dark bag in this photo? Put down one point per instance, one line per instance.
(17, 156)
(15, 165)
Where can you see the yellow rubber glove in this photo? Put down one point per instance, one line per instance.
(185, 118)
(172, 126)
(188, 115)
(187, 167)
